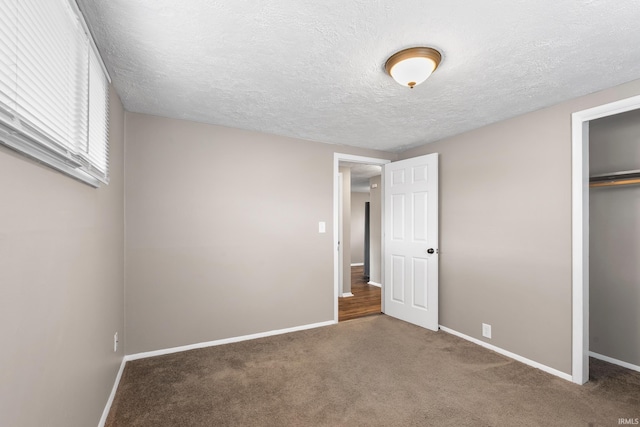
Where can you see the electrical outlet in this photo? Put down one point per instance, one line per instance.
(115, 342)
(486, 330)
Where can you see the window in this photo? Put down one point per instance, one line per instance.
(54, 92)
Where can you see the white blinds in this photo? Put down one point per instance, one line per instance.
(98, 152)
(8, 36)
(53, 88)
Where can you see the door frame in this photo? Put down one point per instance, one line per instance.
(340, 241)
(337, 158)
(580, 228)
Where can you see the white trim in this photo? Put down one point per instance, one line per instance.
(504, 352)
(340, 241)
(615, 361)
(383, 247)
(375, 284)
(580, 229)
(39, 151)
(337, 157)
(346, 295)
(214, 343)
(357, 264)
(360, 159)
(107, 407)
(580, 248)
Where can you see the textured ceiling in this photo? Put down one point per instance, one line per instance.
(315, 69)
(360, 175)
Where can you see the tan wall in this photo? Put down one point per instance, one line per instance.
(614, 251)
(222, 232)
(357, 226)
(505, 229)
(62, 289)
(375, 224)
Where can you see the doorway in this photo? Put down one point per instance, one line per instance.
(361, 257)
(581, 229)
(346, 274)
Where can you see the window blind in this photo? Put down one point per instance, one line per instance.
(53, 91)
(8, 55)
(98, 152)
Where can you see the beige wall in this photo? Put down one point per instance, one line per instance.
(61, 289)
(505, 229)
(375, 226)
(222, 232)
(357, 226)
(614, 251)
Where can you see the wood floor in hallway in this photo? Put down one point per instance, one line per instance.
(366, 298)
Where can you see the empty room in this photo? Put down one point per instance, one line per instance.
(177, 187)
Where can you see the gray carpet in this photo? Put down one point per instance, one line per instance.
(374, 371)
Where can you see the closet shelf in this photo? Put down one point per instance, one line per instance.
(615, 179)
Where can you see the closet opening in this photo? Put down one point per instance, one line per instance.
(605, 236)
(614, 241)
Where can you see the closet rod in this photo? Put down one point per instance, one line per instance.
(615, 179)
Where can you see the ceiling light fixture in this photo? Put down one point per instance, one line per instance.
(412, 66)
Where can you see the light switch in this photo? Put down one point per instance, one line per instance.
(322, 227)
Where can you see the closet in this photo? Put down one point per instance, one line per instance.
(614, 241)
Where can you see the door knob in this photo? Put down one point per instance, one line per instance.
(430, 250)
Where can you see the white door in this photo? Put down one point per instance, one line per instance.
(411, 240)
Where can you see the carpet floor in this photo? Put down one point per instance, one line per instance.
(373, 371)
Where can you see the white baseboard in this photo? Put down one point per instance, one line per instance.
(615, 361)
(375, 284)
(146, 354)
(357, 264)
(517, 357)
(107, 408)
(346, 295)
